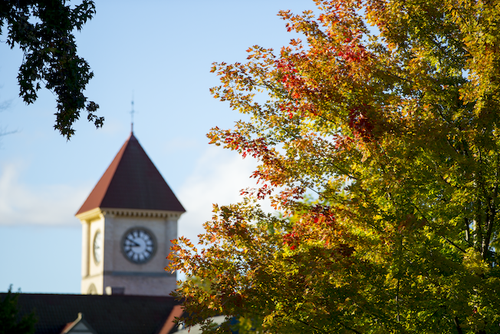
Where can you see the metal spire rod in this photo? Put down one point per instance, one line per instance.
(132, 115)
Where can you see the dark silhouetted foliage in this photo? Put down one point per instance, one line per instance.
(42, 29)
(10, 322)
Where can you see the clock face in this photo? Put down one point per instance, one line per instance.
(98, 246)
(138, 245)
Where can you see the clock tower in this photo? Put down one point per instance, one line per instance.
(128, 221)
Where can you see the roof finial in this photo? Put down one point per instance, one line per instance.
(132, 115)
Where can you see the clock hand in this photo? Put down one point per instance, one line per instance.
(132, 243)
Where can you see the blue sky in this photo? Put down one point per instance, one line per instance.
(159, 52)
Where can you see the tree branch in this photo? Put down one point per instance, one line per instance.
(454, 244)
(349, 328)
(457, 326)
(309, 325)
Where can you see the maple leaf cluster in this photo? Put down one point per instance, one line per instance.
(378, 146)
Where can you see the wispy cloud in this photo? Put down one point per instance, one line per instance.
(218, 178)
(43, 204)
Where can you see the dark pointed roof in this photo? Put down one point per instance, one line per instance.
(132, 182)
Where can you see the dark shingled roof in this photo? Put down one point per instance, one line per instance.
(132, 182)
(122, 314)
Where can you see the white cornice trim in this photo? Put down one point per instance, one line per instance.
(142, 213)
(97, 212)
(90, 215)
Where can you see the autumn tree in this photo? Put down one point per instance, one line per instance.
(377, 136)
(43, 30)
